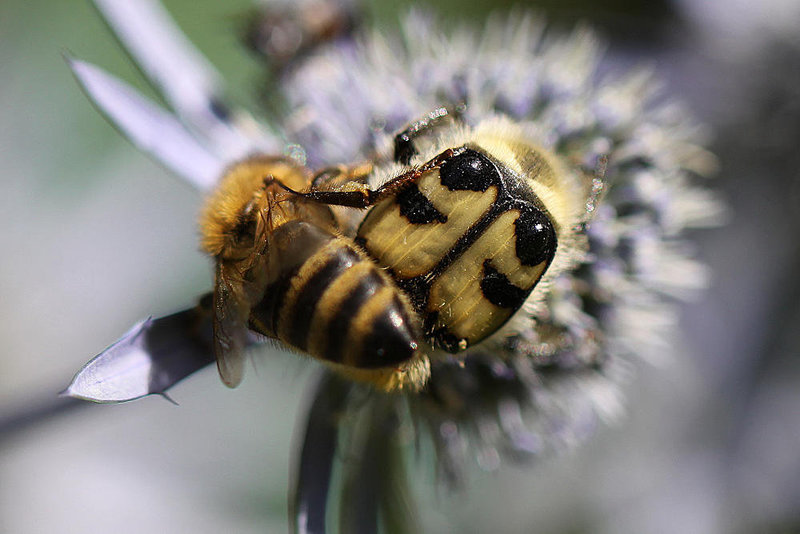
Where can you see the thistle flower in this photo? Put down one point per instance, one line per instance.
(565, 360)
(543, 382)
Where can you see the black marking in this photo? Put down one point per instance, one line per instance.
(294, 243)
(312, 290)
(499, 290)
(338, 325)
(417, 289)
(469, 171)
(536, 238)
(391, 341)
(535, 235)
(416, 207)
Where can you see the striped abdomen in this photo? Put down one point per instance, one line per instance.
(326, 298)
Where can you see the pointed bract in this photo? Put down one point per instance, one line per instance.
(149, 359)
(187, 81)
(148, 126)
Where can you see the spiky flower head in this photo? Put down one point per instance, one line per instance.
(542, 382)
(560, 366)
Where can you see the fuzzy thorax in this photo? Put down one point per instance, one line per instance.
(247, 198)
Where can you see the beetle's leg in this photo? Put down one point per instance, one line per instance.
(404, 148)
(354, 194)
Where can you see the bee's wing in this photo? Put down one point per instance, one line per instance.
(189, 83)
(148, 126)
(231, 311)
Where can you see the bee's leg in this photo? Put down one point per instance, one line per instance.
(404, 148)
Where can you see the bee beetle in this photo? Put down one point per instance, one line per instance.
(468, 220)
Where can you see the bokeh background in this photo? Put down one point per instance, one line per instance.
(95, 237)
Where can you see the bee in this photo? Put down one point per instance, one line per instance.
(284, 270)
(468, 221)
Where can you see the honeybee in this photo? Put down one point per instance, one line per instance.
(284, 270)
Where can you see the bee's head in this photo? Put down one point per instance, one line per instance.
(231, 218)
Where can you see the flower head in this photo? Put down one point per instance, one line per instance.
(543, 381)
(560, 365)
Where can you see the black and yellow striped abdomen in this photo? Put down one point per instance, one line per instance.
(325, 297)
(467, 241)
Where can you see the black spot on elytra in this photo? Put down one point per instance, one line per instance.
(416, 207)
(417, 289)
(468, 171)
(499, 290)
(536, 238)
